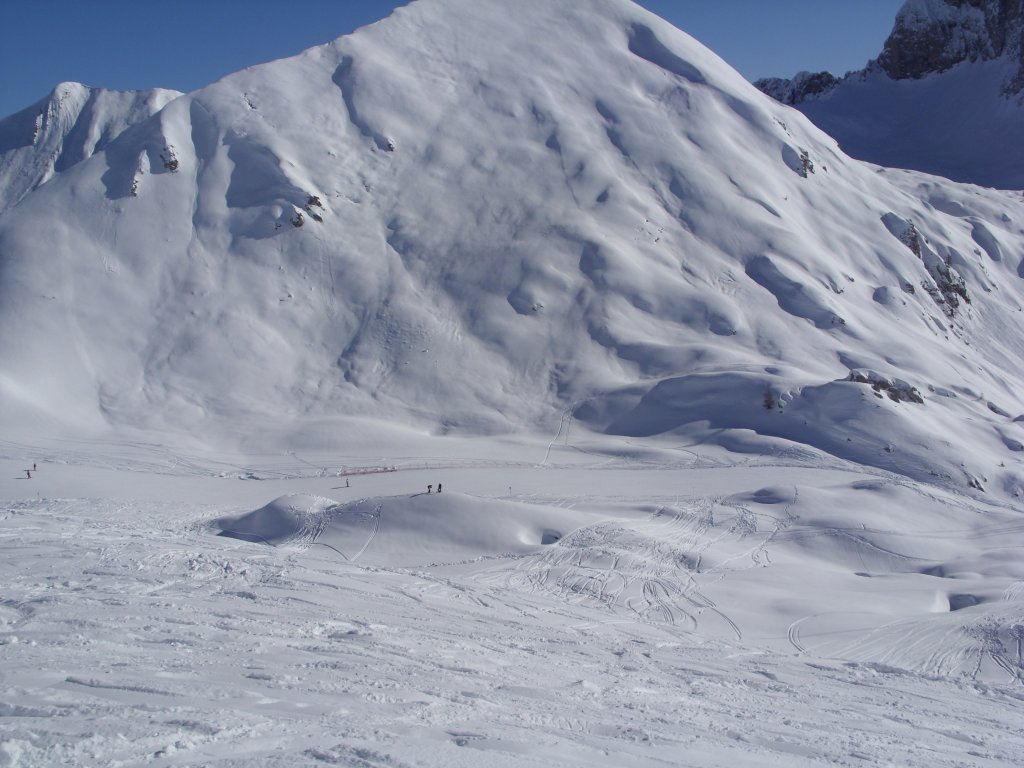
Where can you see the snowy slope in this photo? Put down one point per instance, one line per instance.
(728, 423)
(945, 96)
(959, 124)
(598, 213)
(692, 612)
(71, 124)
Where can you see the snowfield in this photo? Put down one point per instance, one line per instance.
(730, 426)
(587, 602)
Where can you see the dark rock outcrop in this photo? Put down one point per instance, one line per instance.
(933, 36)
(804, 86)
(929, 37)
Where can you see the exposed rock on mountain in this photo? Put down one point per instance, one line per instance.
(932, 36)
(945, 96)
(803, 86)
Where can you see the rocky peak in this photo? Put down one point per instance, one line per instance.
(935, 35)
(929, 36)
(803, 86)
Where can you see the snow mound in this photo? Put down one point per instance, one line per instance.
(404, 531)
(294, 520)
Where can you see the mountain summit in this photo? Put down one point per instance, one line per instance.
(933, 36)
(945, 96)
(70, 125)
(546, 212)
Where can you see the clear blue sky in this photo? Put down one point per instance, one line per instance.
(186, 44)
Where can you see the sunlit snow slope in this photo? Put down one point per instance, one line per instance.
(558, 210)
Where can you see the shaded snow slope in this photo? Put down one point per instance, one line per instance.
(958, 124)
(944, 96)
(570, 212)
(70, 125)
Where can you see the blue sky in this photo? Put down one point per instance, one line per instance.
(186, 44)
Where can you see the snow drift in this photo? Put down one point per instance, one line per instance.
(404, 531)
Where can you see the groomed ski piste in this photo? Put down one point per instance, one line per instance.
(579, 602)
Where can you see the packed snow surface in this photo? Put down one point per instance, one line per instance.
(729, 425)
(573, 603)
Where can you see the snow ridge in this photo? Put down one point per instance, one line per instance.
(70, 125)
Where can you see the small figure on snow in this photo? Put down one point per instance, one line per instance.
(346, 483)
(438, 487)
(430, 489)
(28, 474)
(33, 466)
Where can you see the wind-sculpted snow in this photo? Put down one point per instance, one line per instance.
(570, 211)
(72, 124)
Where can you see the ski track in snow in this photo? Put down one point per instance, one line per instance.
(132, 634)
(750, 494)
(394, 678)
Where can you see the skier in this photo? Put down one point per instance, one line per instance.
(28, 474)
(430, 489)
(438, 487)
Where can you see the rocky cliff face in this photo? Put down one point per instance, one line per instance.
(933, 36)
(945, 96)
(929, 37)
(803, 86)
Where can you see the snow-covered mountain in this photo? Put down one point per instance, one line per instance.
(945, 96)
(572, 211)
(70, 125)
(934, 36)
(730, 425)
